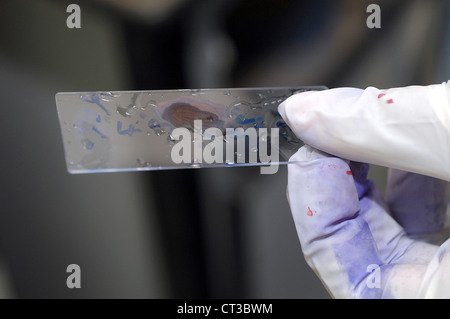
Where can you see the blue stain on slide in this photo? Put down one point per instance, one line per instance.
(153, 124)
(95, 99)
(98, 132)
(241, 119)
(89, 145)
(280, 123)
(130, 131)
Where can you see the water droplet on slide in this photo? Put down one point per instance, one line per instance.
(151, 104)
(87, 144)
(160, 132)
(142, 162)
(263, 137)
(124, 111)
(108, 96)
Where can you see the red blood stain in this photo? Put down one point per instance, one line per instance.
(390, 101)
(349, 173)
(381, 95)
(309, 213)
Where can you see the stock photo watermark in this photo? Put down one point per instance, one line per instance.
(373, 21)
(374, 277)
(252, 146)
(73, 21)
(74, 279)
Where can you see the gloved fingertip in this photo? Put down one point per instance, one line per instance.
(294, 105)
(308, 153)
(320, 191)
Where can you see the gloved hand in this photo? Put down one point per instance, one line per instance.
(347, 234)
(405, 128)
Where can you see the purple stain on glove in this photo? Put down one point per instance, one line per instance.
(359, 172)
(417, 202)
(357, 253)
(345, 230)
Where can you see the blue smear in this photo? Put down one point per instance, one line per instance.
(98, 119)
(280, 124)
(89, 145)
(153, 124)
(357, 253)
(98, 132)
(260, 123)
(95, 99)
(241, 119)
(130, 131)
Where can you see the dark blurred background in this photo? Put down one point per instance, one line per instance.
(209, 233)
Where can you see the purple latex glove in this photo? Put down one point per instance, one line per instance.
(348, 234)
(419, 203)
(349, 238)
